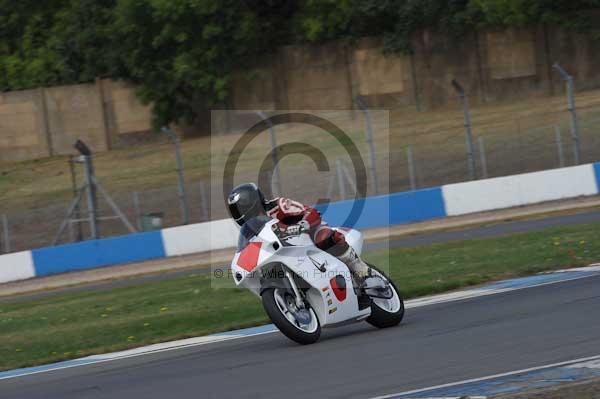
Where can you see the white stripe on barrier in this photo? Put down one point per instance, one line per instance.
(200, 237)
(459, 199)
(16, 266)
(517, 190)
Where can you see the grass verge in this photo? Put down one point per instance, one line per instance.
(38, 331)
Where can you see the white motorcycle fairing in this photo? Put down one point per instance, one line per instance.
(326, 280)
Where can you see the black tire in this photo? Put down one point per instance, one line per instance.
(381, 318)
(284, 325)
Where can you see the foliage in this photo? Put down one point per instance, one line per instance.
(566, 13)
(54, 42)
(397, 20)
(182, 53)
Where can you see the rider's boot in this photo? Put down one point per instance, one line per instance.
(364, 279)
(359, 269)
(360, 275)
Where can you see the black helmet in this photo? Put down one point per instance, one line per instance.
(245, 202)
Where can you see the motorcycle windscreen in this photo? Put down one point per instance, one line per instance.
(251, 229)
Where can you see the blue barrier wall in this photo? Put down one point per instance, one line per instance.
(379, 211)
(385, 210)
(96, 253)
(416, 206)
(376, 211)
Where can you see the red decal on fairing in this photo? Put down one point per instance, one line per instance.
(249, 256)
(339, 292)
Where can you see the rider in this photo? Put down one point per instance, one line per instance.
(246, 201)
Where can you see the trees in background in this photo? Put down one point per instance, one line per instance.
(53, 42)
(397, 20)
(181, 53)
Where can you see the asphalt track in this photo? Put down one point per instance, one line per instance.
(436, 344)
(486, 231)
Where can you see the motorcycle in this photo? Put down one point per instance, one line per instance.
(304, 289)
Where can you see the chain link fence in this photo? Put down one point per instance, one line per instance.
(420, 150)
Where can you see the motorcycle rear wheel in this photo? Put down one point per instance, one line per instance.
(382, 316)
(274, 301)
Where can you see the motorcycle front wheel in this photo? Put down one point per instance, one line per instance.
(386, 312)
(281, 307)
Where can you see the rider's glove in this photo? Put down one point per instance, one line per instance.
(298, 228)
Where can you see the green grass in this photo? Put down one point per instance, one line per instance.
(442, 267)
(73, 325)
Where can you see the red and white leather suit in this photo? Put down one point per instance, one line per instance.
(290, 213)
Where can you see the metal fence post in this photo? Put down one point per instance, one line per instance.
(274, 155)
(79, 236)
(411, 168)
(340, 178)
(572, 110)
(482, 158)
(92, 198)
(204, 201)
(468, 133)
(369, 133)
(5, 234)
(137, 211)
(185, 209)
(330, 188)
(559, 147)
(71, 232)
(349, 178)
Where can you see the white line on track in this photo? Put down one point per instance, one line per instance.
(479, 292)
(571, 363)
(232, 335)
(145, 350)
